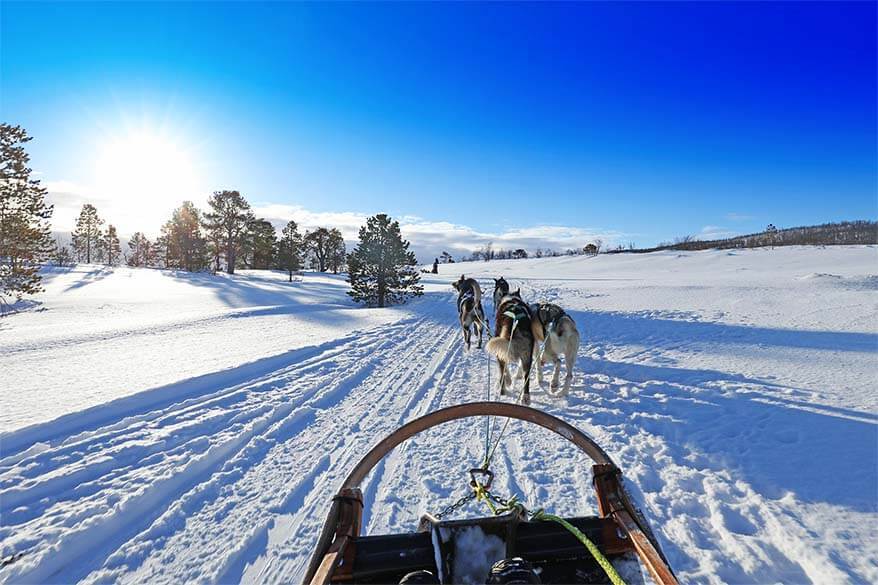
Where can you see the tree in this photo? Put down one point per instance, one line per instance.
(61, 254)
(112, 249)
(24, 218)
(435, 266)
(259, 243)
(381, 269)
(215, 244)
(486, 252)
(590, 250)
(230, 215)
(289, 249)
(141, 251)
(318, 244)
(598, 244)
(87, 236)
(446, 258)
(185, 246)
(336, 255)
(519, 253)
(161, 250)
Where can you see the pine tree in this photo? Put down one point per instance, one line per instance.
(259, 244)
(230, 215)
(289, 249)
(112, 249)
(24, 227)
(381, 269)
(215, 246)
(161, 250)
(336, 254)
(61, 254)
(140, 250)
(435, 266)
(87, 235)
(318, 244)
(185, 246)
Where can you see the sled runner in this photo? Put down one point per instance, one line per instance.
(561, 550)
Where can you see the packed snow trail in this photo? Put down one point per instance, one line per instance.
(748, 466)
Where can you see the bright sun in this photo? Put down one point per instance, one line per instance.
(146, 171)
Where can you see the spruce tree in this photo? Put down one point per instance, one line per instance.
(230, 215)
(289, 249)
(381, 269)
(87, 235)
(112, 249)
(24, 218)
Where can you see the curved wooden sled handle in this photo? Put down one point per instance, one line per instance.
(613, 499)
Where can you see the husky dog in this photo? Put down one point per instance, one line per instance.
(557, 330)
(513, 340)
(501, 289)
(469, 308)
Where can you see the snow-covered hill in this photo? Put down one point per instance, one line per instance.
(160, 426)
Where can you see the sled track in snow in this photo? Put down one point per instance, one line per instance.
(231, 482)
(101, 495)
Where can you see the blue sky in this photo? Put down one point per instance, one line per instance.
(517, 123)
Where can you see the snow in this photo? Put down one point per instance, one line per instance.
(167, 427)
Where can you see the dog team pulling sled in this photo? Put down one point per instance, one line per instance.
(514, 544)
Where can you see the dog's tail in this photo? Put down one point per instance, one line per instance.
(499, 348)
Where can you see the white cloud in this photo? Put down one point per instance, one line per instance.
(429, 238)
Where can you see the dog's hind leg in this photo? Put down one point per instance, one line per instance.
(571, 348)
(526, 363)
(556, 372)
(502, 365)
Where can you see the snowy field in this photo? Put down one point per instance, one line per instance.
(168, 427)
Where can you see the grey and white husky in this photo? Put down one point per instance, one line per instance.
(513, 341)
(469, 308)
(501, 289)
(556, 331)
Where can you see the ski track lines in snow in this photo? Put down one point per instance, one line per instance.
(227, 477)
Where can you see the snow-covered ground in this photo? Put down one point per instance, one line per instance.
(167, 427)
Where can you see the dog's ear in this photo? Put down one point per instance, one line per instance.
(517, 293)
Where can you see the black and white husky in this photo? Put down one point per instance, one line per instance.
(513, 341)
(469, 308)
(501, 289)
(556, 331)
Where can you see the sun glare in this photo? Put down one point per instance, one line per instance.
(146, 171)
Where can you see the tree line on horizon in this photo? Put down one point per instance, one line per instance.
(850, 233)
(226, 236)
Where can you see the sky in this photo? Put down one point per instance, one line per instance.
(525, 125)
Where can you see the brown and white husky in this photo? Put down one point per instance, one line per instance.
(513, 341)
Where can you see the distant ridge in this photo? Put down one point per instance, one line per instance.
(826, 234)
